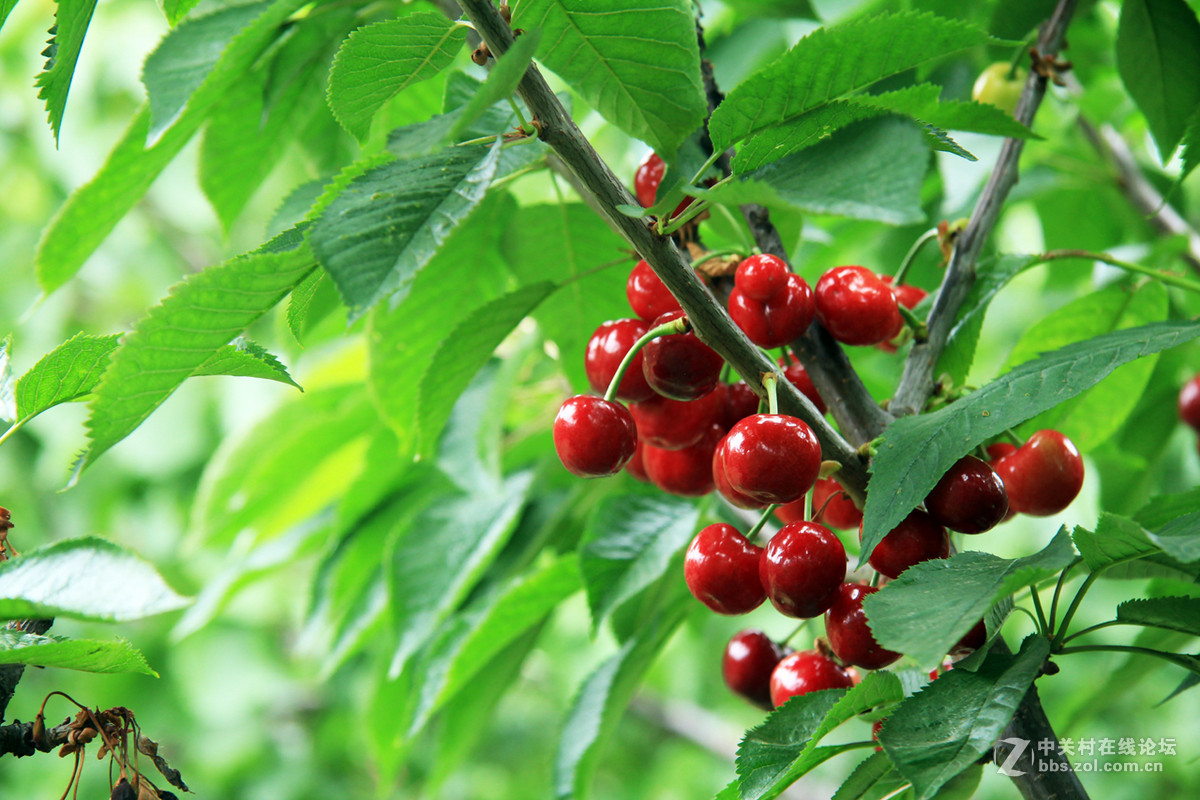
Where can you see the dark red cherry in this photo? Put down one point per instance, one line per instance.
(676, 424)
(833, 507)
(721, 570)
(917, 538)
(680, 366)
(971, 641)
(909, 297)
(856, 307)
(634, 465)
(686, 472)
(608, 345)
(750, 658)
(721, 482)
(761, 277)
(647, 179)
(849, 635)
(801, 568)
(1043, 475)
(777, 321)
(594, 437)
(1189, 403)
(648, 296)
(773, 458)
(969, 498)
(804, 672)
(798, 377)
(740, 402)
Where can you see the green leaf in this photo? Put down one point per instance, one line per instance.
(8, 381)
(648, 86)
(932, 605)
(1172, 613)
(92, 211)
(628, 544)
(1190, 154)
(602, 699)
(380, 60)
(942, 730)
(86, 655)
(777, 753)
(1158, 57)
(991, 276)
(1116, 540)
(71, 21)
(1165, 507)
(68, 372)
(6, 6)
(463, 352)
(427, 582)
(85, 578)
(826, 64)
(175, 340)
(176, 10)
(874, 773)
(245, 359)
(390, 221)
(1180, 538)
(916, 451)
(311, 301)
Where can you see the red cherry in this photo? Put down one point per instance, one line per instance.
(721, 570)
(917, 538)
(1189, 403)
(676, 424)
(680, 366)
(909, 297)
(647, 179)
(740, 402)
(721, 482)
(687, 472)
(634, 465)
(801, 568)
(773, 458)
(774, 322)
(839, 510)
(969, 498)
(798, 377)
(594, 437)
(804, 672)
(605, 350)
(1043, 475)
(995, 452)
(648, 296)
(971, 641)
(761, 277)
(750, 658)
(849, 635)
(856, 306)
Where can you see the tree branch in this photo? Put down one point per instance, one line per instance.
(710, 321)
(917, 381)
(10, 674)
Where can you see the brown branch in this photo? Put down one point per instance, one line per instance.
(16, 739)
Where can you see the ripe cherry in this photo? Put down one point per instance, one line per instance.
(801, 568)
(605, 350)
(721, 570)
(679, 365)
(849, 635)
(804, 672)
(1189, 403)
(721, 482)
(647, 179)
(906, 295)
(917, 538)
(1043, 475)
(740, 402)
(969, 498)
(832, 507)
(778, 320)
(594, 437)
(856, 306)
(648, 296)
(676, 424)
(971, 641)
(687, 472)
(773, 458)
(750, 658)
(798, 377)
(761, 277)
(634, 465)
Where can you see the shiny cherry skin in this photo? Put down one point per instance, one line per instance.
(761, 277)
(917, 538)
(634, 465)
(777, 321)
(721, 570)
(969, 498)
(605, 350)
(798, 377)
(686, 472)
(594, 438)
(750, 658)
(647, 178)
(804, 672)
(801, 569)
(773, 458)
(721, 482)
(1189, 403)
(908, 296)
(995, 452)
(832, 507)
(676, 424)
(680, 366)
(1043, 475)
(856, 307)
(849, 635)
(648, 296)
(740, 402)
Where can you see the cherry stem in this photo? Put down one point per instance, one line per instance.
(768, 382)
(919, 328)
(1012, 436)
(808, 504)
(758, 526)
(1128, 266)
(520, 117)
(1043, 626)
(1066, 623)
(693, 210)
(1029, 614)
(796, 632)
(1021, 54)
(711, 254)
(705, 167)
(877, 578)
(1058, 587)
(678, 325)
(1118, 648)
(1096, 627)
(911, 256)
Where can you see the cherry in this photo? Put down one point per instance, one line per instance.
(917, 538)
(832, 507)
(761, 277)
(804, 672)
(1189, 403)
(969, 498)
(635, 467)
(687, 472)
(971, 641)
(605, 350)
(740, 402)
(778, 320)
(773, 458)
(906, 295)
(994, 86)
(721, 570)
(856, 306)
(676, 424)
(750, 658)
(648, 296)
(679, 365)
(801, 568)
(593, 436)
(798, 377)
(721, 482)
(1043, 475)
(647, 179)
(995, 452)
(849, 635)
